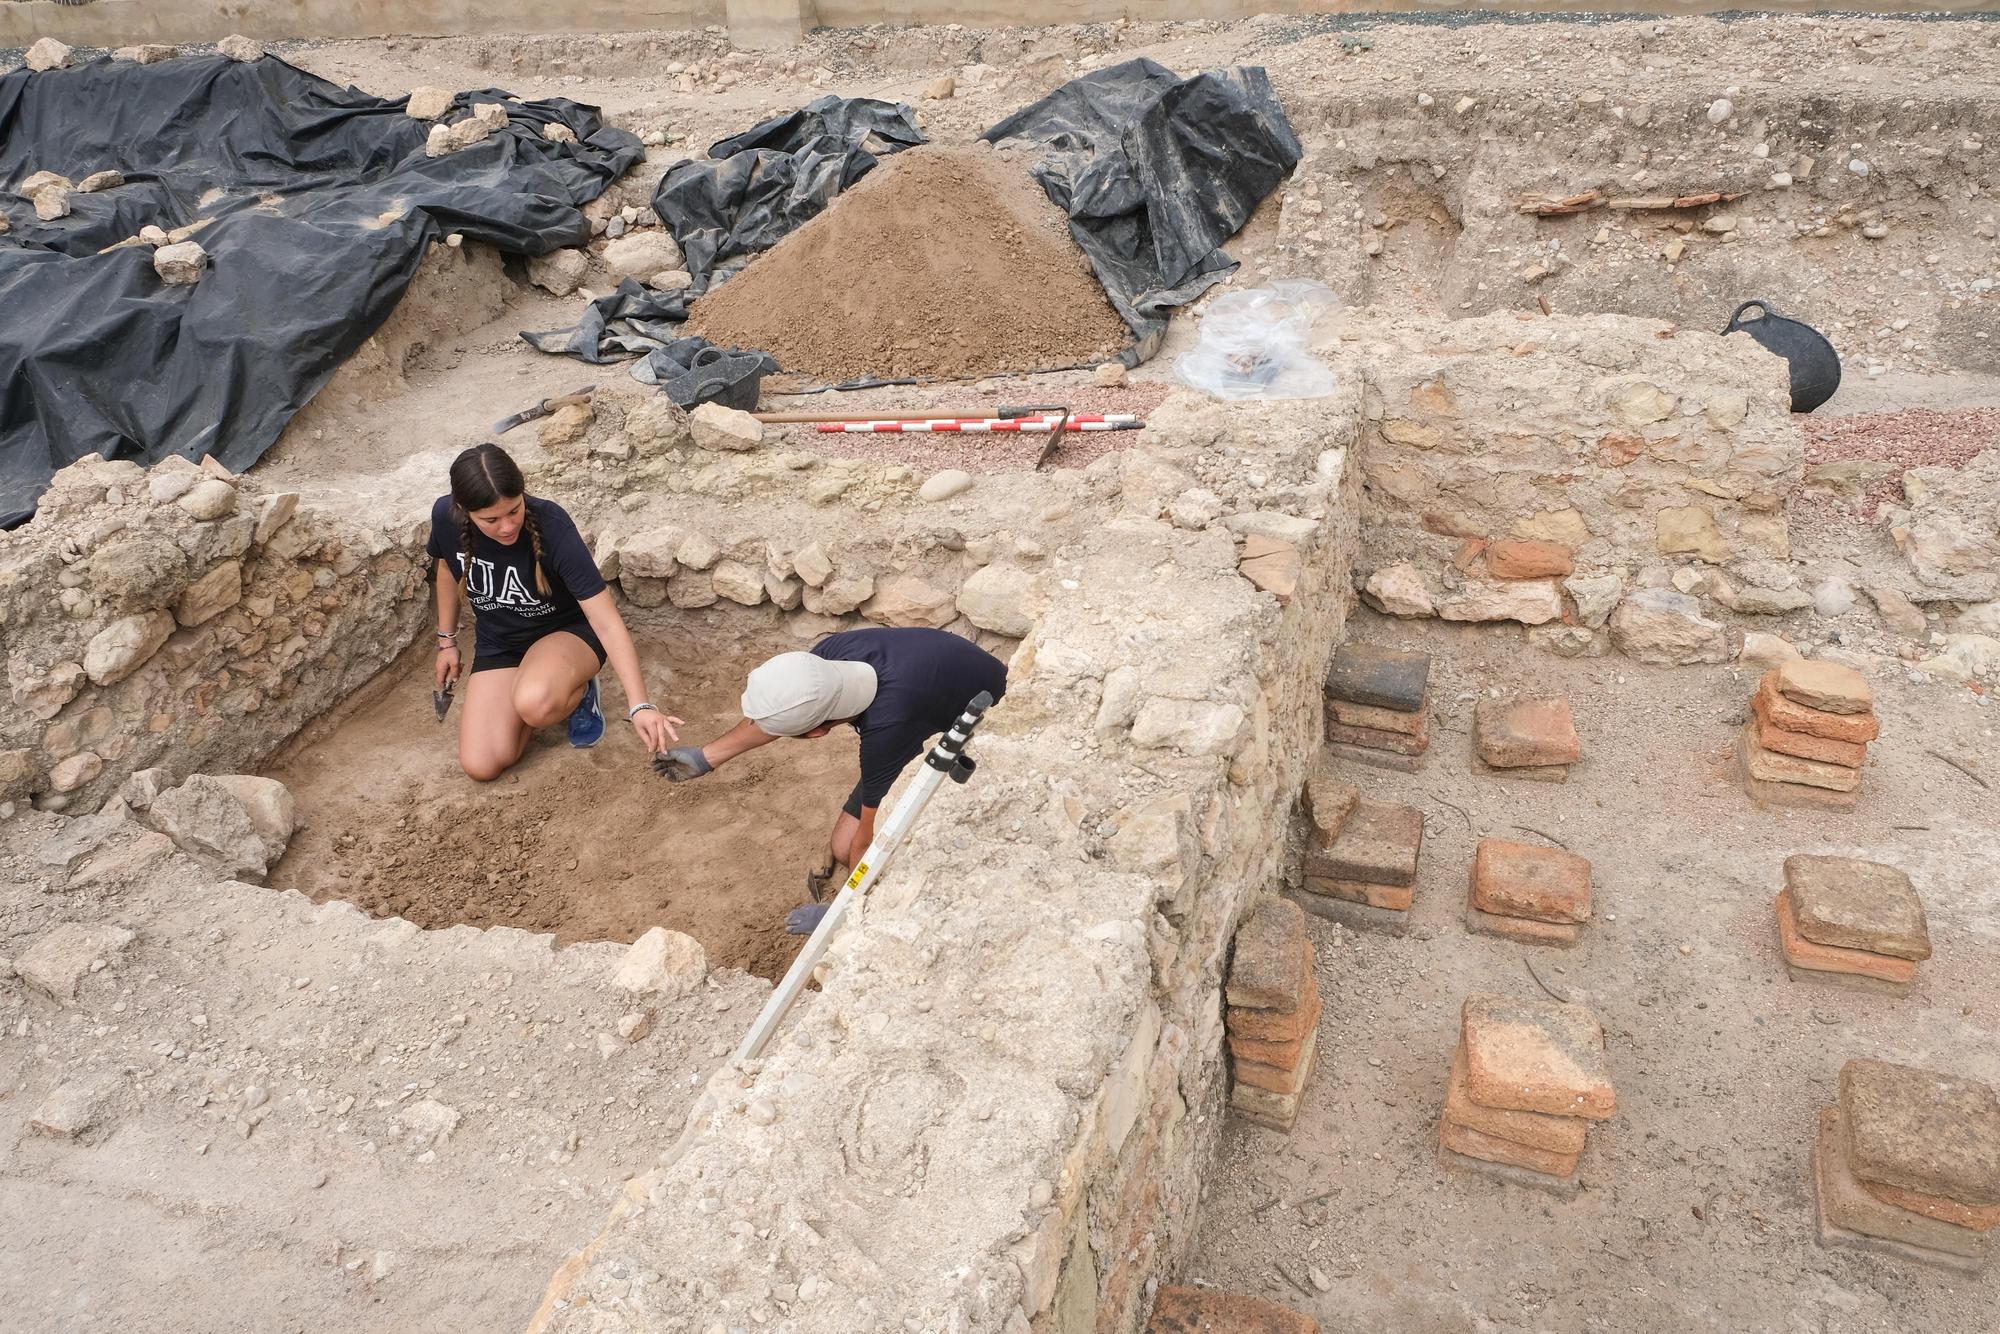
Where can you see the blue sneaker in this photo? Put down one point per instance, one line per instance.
(586, 725)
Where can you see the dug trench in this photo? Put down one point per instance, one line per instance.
(586, 844)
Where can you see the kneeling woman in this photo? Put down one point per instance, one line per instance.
(544, 619)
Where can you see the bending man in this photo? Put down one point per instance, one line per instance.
(897, 688)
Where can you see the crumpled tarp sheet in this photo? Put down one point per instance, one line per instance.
(755, 189)
(1156, 172)
(323, 205)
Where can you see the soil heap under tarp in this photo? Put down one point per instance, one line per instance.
(939, 262)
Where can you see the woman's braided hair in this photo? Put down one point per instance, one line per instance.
(486, 475)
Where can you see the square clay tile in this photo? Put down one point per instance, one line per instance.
(1817, 958)
(1536, 1056)
(1826, 686)
(1268, 969)
(1844, 1203)
(1382, 677)
(1783, 711)
(1514, 733)
(1924, 1131)
(1857, 905)
(1527, 880)
(1378, 844)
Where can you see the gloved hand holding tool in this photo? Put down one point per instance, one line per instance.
(681, 764)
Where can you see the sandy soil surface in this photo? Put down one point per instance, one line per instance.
(589, 845)
(1697, 1207)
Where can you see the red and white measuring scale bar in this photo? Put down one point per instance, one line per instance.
(1093, 421)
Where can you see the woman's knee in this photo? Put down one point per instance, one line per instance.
(540, 702)
(482, 766)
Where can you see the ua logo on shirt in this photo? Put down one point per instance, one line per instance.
(513, 590)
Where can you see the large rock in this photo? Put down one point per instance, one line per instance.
(1192, 727)
(146, 53)
(233, 823)
(649, 555)
(1595, 595)
(559, 272)
(211, 595)
(238, 47)
(738, 582)
(58, 961)
(838, 595)
(1399, 590)
(1529, 601)
(1659, 625)
(1951, 536)
(662, 962)
(180, 265)
(48, 54)
(428, 102)
(905, 600)
(641, 255)
(1000, 598)
(51, 203)
(123, 646)
(1690, 530)
(717, 427)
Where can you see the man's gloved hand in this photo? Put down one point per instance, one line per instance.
(804, 919)
(817, 875)
(682, 763)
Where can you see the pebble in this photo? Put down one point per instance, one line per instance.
(1857, 166)
(1720, 110)
(944, 485)
(1040, 1194)
(1320, 1280)
(255, 1096)
(761, 1112)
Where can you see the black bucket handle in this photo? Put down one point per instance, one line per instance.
(1764, 311)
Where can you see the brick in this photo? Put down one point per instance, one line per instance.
(1936, 1206)
(1845, 1204)
(1523, 930)
(1385, 678)
(1374, 738)
(1770, 767)
(1490, 1148)
(1512, 733)
(1382, 720)
(1285, 1055)
(1275, 1111)
(1206, 1311)
(1526, 880)
(1777, 739)
(1285, 1079)
(1826, 686)
(1556, 1134)
(1567, 1188)
(1393, 898)
(1353, 916)
(1802, 953)
(1934, 1133)
(1858, 905)
(1277, 1025)
(1328, 800)
(1519, 558)
(1533, 773)
(1793, 716)
(1768, 794)
(1268, 969)
(1379, 844)
(1375, 759)
(1536, 1056)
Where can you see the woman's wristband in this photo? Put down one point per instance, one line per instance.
(638, 709)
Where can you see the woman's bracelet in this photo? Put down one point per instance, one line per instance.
(638, 709)
(450, 640)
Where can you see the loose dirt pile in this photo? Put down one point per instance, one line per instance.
(940, 262)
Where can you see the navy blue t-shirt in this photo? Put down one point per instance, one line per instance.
(512, 613)
(923, 681)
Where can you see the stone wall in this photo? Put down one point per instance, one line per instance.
(995, 1114)
(186, 620)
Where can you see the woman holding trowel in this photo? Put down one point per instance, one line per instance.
(545, 623)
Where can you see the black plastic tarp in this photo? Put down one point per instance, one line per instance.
(1156, 172)
(323, 203)
(754, 189)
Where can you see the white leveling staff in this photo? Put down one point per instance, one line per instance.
(946, 760)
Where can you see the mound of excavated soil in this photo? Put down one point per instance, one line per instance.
(939, 262)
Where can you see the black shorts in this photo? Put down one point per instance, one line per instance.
(853, 803)
(486, 659)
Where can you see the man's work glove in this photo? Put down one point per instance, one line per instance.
(682, 763)
(804, 919)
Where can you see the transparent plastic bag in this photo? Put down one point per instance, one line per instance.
(1253, 344)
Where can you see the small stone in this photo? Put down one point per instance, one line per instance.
(641, 254)
(238, 47)
(99, 181)
(52, 202)
(1781, 180)
(760, 1112)
(1001, 598)
(47, 54)
(72, 773)
(181, 264)
(122, 647)
(1399, 590)
(429, 102)
(1720, 110)
(65, 1113)
(1857, 166)
(1108, 375)
(670, 280)
(941, 89)
(1761, 649)
(558, 133)
(944, 485)
(255, 1096)
(632, 1027)
(1658, 625)
(1529, 601)
(209, 499)
(146, 53)
(430, 1122)
(719, 428)
(1875, 231)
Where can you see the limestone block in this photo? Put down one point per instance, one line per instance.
(1192, 727)
(662, 962)
(56, 963)
(905, 600)
(1000, 598)
(812, 565)
(70, 774)
(559, 272)
(640, 255)
(1399, 590)
(689, 589)
(122, 647)
(180, 264)
(1658, 625)
(47, 54)
(211, 595)
(649, 555)
(209, 499)
(1690, 530)
(740, 583)
(238, 47)
(207, 820)
(1529, 601)
(839, 595)
(428, 103)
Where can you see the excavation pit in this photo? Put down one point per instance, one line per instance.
(586, 844)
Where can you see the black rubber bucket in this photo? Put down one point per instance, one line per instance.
(1814, 364)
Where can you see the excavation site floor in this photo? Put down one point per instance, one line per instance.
(587, 844)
